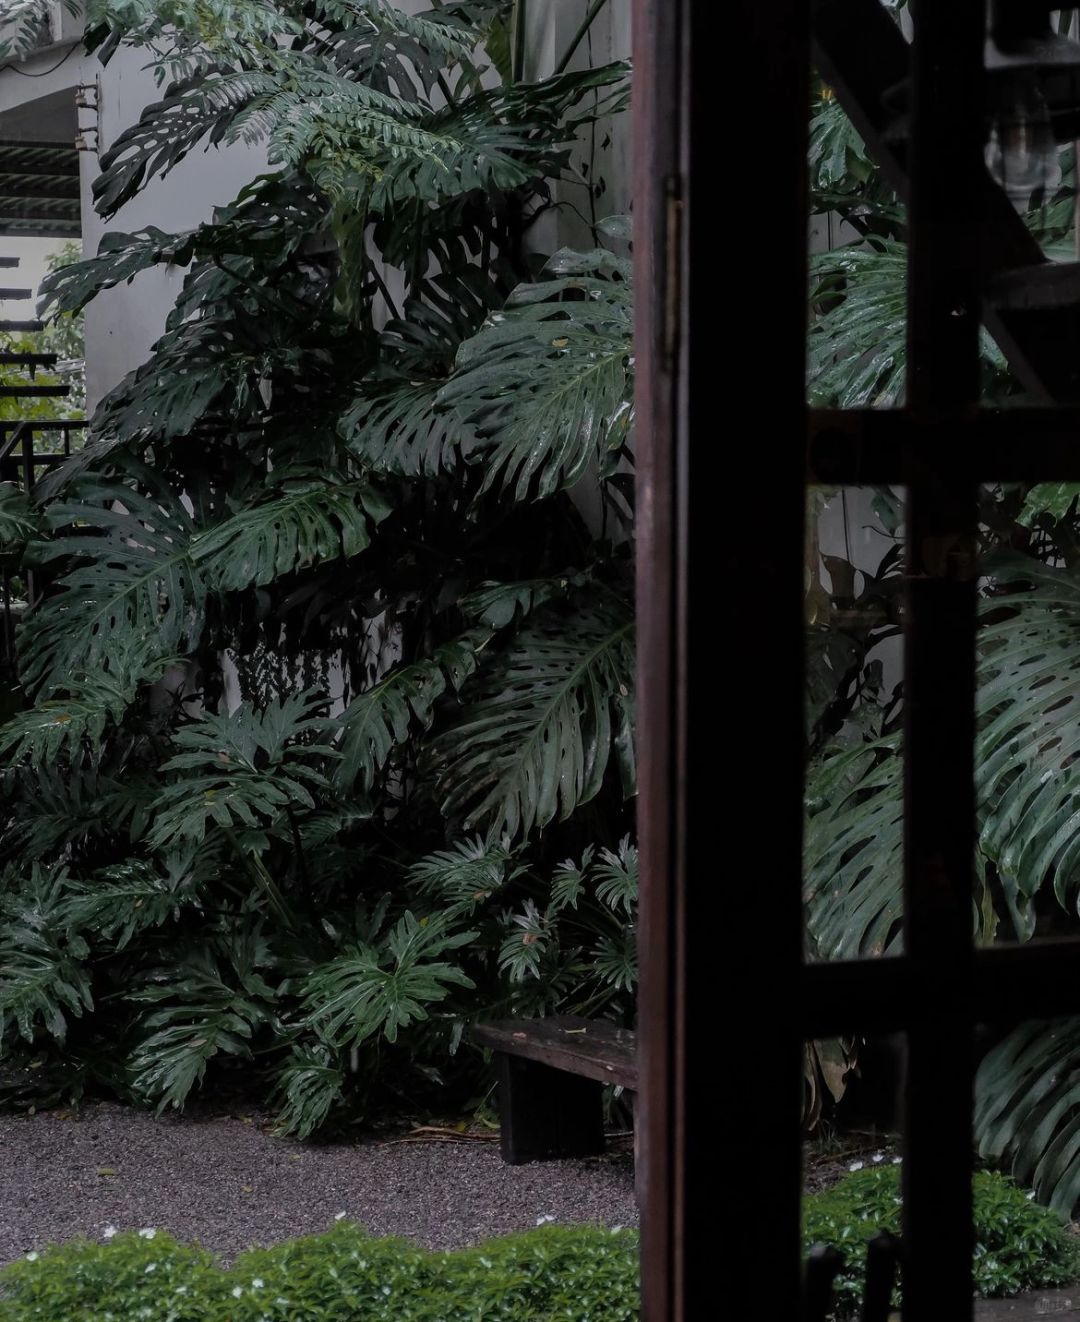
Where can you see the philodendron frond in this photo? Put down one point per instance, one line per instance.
(547, 387)
(18, 520)
(367, 991)
(857, 354)
(331, 653)
(134, 587)
(543, 724)
(243, 771)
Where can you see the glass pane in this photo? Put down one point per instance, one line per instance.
(1027, 753)
(854, 617)
(857, 351)
(851, 1157)
(1027, 1181)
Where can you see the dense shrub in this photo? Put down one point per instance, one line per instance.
(321, 730)
(1018, 1244)
(581, 1274)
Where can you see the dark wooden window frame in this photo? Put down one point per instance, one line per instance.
(722, 91)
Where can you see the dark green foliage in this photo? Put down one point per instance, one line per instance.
(333, 670)
(1018, 1244)
(576, 1273)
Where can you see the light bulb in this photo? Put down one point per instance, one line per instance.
(1022, 153)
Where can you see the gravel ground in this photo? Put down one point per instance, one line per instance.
(224, 1181)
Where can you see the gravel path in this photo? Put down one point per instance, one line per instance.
(226, 1182)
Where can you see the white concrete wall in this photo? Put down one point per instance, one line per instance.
(122, 323)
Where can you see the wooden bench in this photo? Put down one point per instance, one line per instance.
(551, 1072)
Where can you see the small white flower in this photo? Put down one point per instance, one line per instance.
(540, 1220)
(856, 1165)
(878, 1158)
(181, 1289)
(31, 1257)
(340, 1216)
(281, 1301)
(1031, 1195)
(386, 1289)
(256, 1283)
(148, 1232)
(150, 1267)
(615, 1229)
(236, 1292)
(897, 1160)
(108, 1232)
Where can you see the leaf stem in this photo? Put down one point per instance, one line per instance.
(257, 870)
(580, 34)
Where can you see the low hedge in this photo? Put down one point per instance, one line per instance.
(583, 1273)
(1019, 1245)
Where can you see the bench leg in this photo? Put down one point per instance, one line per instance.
(547, 1113)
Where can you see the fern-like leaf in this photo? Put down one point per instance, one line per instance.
(402, 702)
(135, 590)
(242, 771)
(537, 738)
(547, 384)
(370, 990)
(305, 522)
(309, 1087)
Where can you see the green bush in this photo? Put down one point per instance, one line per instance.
(1019, 1245)
(583, 1273)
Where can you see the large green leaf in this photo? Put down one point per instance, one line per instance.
(852, 862)
(202, 1015)
(370, 990)
(308, 1087)
(547, 385)
(304, 521)
(72, 726)
(18, 520)
(43, 979)
(1027, 1109)
(120, 257)
(1027, 778)
(135, 590)
(536, 739)
(396, 424)
(242, 770)
(857, 352)
(857, 346)
(400, 704)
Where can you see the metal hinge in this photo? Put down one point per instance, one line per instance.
(673, 270)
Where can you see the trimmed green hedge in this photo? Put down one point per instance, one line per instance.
(1019, 1245)
(578, 1273)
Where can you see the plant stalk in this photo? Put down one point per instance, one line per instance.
(258, 873)
(580, 34)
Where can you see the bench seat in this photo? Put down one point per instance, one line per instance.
(551, 1073)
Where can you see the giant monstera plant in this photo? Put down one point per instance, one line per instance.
(323, 740)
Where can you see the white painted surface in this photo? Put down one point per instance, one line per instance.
(123, 323)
